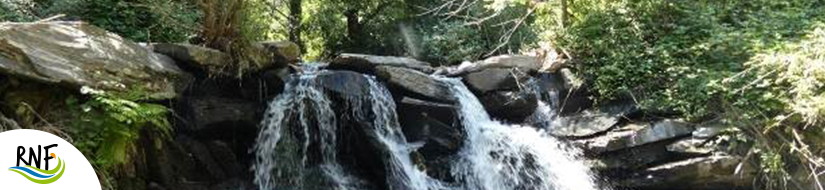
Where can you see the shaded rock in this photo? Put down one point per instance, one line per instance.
(571, 95)
(344, 82)
(79, 54)
(524, 63)
(711, 173)
(496, 79)
(590, 122)
(368, 63)
(634, 134)
(235, 184)
(283, 52)
(218, 114)
(511, 106)
(418, 84)
(632, 159)
(194, 56)
(203, 155)
(224, 154)
(432, 123)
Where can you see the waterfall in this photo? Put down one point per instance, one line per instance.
(282, 160)
(500, 156)
(300, 144)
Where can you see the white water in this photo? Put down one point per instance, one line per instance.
(495, 156)
(500, 156)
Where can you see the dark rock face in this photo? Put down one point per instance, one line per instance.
(712, 173)
(221, 114)
(418, 84)
(78, 54)
(434, 124)
(344, 82)
(368, 63)
(511, 106)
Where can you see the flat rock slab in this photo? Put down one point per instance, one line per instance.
(79, 54)
(419, 85)
(368, 63)
(591, 122)
(637, 134)
(712, 172)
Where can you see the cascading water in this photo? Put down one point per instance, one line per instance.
(282, 160)
(298, 146)
(499, 156)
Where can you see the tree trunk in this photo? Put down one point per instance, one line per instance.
(295, 25)
(564, 14)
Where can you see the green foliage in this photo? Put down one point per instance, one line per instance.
(139, 20)
(467, 32)
(756, 64)
(107, 125)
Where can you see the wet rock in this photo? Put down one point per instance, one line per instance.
(210, 60)
(78, 54)
(496, 79)
(368, 63)
(712, 173)
(283, 52)
(511, 106)
(524, 63)
(344, 82)
(590, 122)
(434, 124)
(636, 134)
(418, 84)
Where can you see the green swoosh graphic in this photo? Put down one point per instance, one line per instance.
(45, 181)
(52, 171)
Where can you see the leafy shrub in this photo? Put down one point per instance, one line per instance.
(107, 125)
(755, 64)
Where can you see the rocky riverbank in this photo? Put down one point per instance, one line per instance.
(217, 116)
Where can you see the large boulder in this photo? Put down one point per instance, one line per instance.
(368, 63)
(283, 52)
(344, 82)
(79, 54)
(220, 114)
(717, 172)
(637, 134)
(525, 63)
(510, 106)
(418, 84)
(592, 121)
(496, 79)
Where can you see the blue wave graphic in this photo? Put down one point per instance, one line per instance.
(31, 172)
